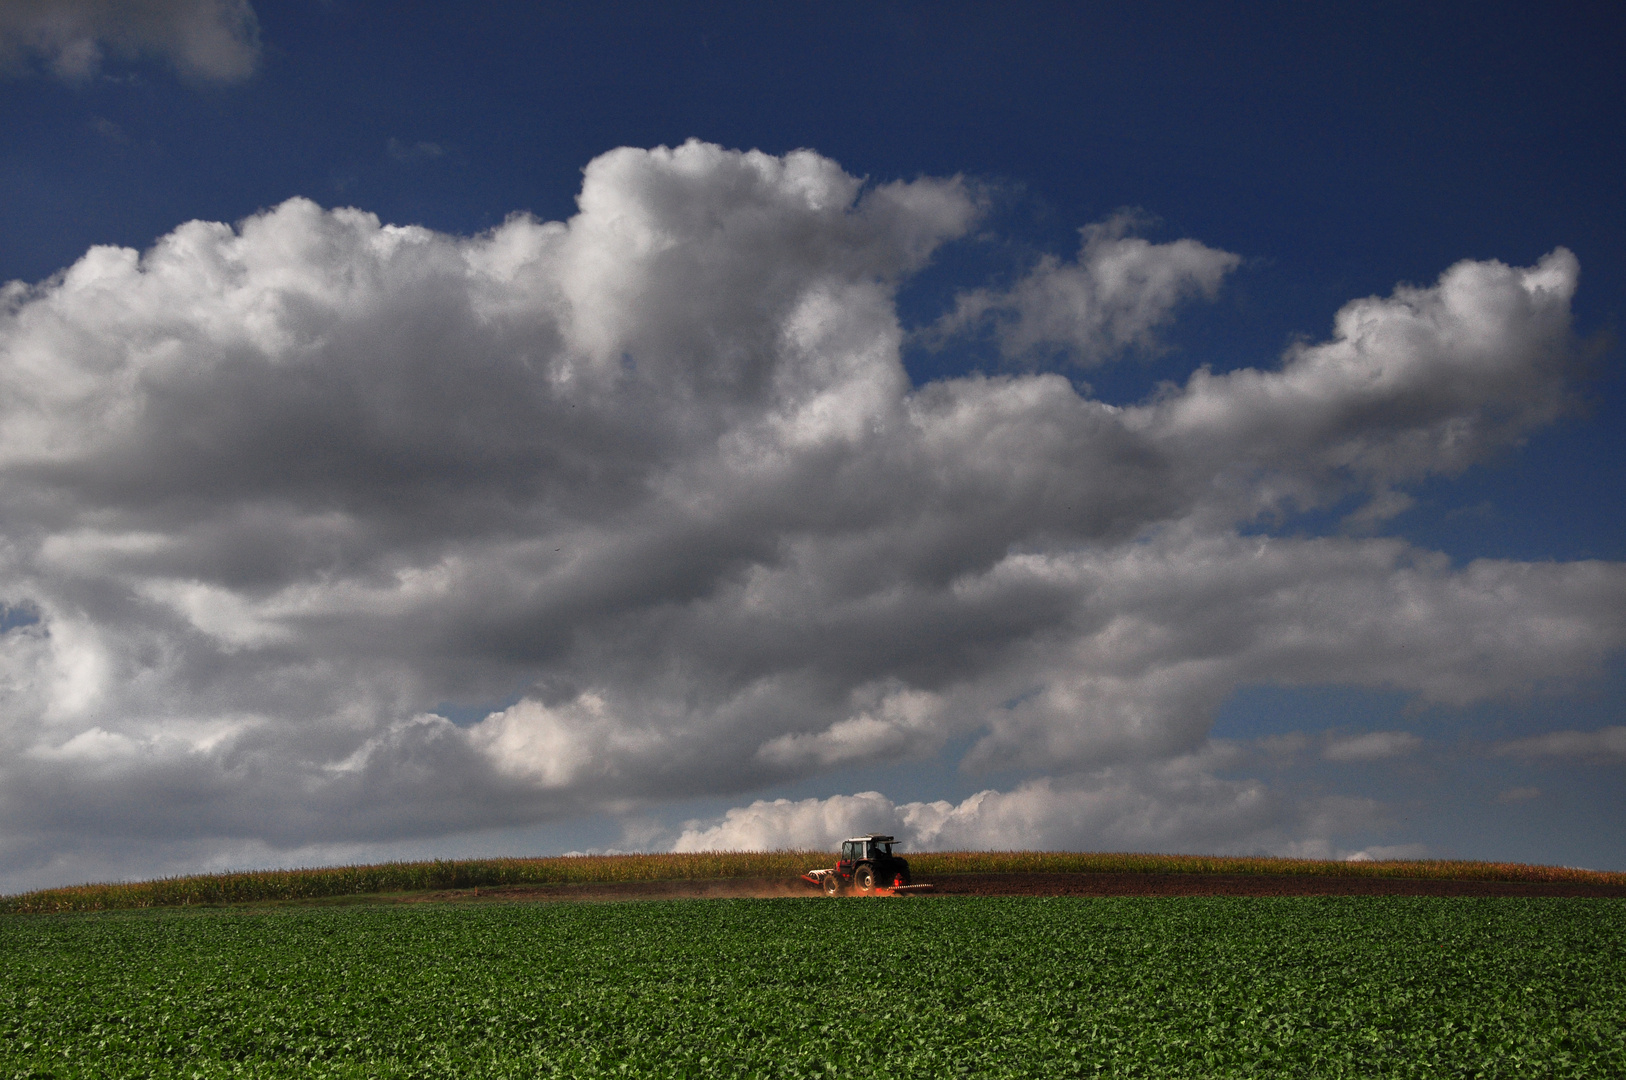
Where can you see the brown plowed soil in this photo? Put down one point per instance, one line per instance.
(1035, 885)
(719, 888)
(1248, 885)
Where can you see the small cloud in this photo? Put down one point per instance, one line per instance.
(1518, 795)
(213, 40)
(892, 725)
(591, 852)
(413, 152)
(1373, 746)
(1287, 745)
(1387, 853)
(1111, 299)
(108, 130)
(1609, 742)
(1383, 506)
(76, 60)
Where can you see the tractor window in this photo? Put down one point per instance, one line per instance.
(847, 850)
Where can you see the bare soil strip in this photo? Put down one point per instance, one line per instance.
(1249, 885)
(1035, 884)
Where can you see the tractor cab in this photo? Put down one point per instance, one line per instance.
(866, 847)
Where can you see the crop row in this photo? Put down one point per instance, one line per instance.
(1016, 987)
(312, 883)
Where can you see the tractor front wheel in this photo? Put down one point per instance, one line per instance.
(832, 885)
(864, 879)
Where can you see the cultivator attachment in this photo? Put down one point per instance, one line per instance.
(834, 884)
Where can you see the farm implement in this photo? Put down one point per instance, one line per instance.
(867, 867)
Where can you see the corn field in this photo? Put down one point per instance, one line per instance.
(259, 886)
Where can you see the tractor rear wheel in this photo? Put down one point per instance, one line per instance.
(864, 879)
(832, 885)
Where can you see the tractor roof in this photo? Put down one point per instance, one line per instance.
(874, 837)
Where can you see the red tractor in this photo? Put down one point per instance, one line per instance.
(868, 867)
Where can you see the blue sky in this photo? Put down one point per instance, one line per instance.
(890, 498)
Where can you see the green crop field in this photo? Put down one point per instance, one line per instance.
(928, 988)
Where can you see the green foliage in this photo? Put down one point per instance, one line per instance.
(309, 884)
(1212, 987)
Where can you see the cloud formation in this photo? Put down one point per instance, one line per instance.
(1605, 743)
(1173, 806)
(213, 40)
(1373, 746)
(408, 153)
(651, 490)
(1112, 298)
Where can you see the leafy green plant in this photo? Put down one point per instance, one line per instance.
(1017, 987)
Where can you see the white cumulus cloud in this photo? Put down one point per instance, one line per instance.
(649, 494)
(1178, 805)
(1113, 297)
